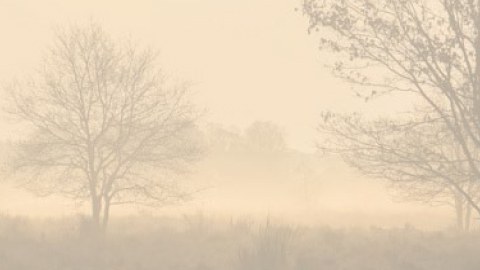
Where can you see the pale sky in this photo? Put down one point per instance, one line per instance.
(248, 59)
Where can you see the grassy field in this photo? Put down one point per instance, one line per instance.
(198, 242)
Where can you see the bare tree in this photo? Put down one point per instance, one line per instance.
(427, 49)
(430, 49)
(107, 126)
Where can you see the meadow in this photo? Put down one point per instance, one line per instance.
(200, 242)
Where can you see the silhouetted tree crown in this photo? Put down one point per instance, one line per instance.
(107, 125)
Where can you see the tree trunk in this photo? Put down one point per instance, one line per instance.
(468, 217)
(106, 214)
(96, 215)
(459, 206)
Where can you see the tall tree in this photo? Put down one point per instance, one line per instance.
(107, 126)
(427, 49)
(430, 49)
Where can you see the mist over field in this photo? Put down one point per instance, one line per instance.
(245, 135)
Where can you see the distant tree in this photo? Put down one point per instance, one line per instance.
(222, 139)
(259, 136)
(107, 126)
(264, 137)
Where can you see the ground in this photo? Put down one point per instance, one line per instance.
(198, 242)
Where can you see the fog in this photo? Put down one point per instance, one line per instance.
(223, 134)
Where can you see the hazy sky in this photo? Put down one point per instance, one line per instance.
(249, 60)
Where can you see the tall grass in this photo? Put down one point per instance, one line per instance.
(201, 242)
